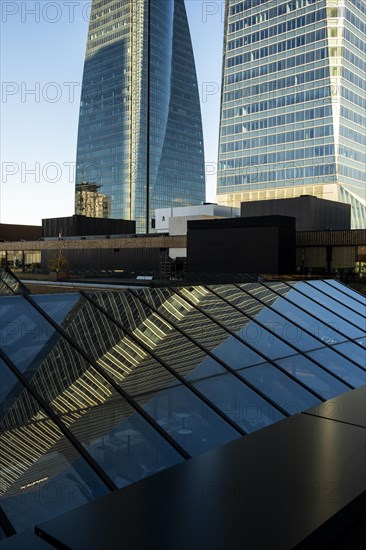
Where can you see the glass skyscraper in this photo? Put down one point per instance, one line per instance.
(140, 131)
(293, 110)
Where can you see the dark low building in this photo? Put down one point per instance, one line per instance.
(242, 245)
(15, 232)
(311, 213)
(77, 225)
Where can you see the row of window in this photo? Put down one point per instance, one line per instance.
(101, 18)
(99, 5)
(349, 153)
(356, 21)
(282, 101)
(354, 59)
(349, 115)
(354, 40)
(272, 31)
(277, 66)
(285, 8)
(280, 47)
(279, 120)
(286, 173)
(272, 13)
(354, 78)
(273, 139)
(352, 173)
(353, 135)
(359, 4)
(353, 97)
(281, 156)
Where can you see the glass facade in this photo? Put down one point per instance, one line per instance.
(102, 389)
(140, 132)
(293, 110)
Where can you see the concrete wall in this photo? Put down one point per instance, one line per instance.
(164, 216)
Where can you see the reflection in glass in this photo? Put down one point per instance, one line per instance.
(320, 331)
(24, 334)
(243, 405)
(285, 392)
(57, 306)
(324, 315)
(346, 290)
(353, 352)
(335, 362)
(337, 293)
(191, 422)
(42, 474)
(313, 376)
(332, 304)
(124, 444)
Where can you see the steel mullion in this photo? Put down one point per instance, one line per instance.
(232, 333)
(110, 380)
(301, 352)
(162, 362)
(6, 524)
(324, 343)
(328, 309)
(57, 420)
(331, 298)
(213, 356)
(326, 281)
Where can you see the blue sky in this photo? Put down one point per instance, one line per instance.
(42, 54)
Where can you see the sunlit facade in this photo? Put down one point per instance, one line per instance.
(140, 131)
(293, 111)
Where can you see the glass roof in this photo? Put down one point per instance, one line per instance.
(10, 284)
(101, 389)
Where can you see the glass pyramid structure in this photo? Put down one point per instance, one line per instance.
(102, 389)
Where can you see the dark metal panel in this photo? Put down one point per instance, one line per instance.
(348, 407)
(311, 213)
(83, 225)
(325, 238)
(272, 489)
(14, 232)
(242, 245)
(25, 541)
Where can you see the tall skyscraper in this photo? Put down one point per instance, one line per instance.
(140, 130)
(293, 111)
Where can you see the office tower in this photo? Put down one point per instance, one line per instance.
(140, 130)
(293, 111)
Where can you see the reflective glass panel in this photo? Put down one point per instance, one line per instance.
(321, 332)
(280, 388)
(347, 290)
(285, 329)
(338, 294)
(189, 420)
(24, 334)
(353, 352)
(134, 369)
(324, 315)
(243, 405)
(313, 376)
(202, 370)
(42, 474)
(335, 362)
(86, 401)
(333, 305)
(58, 306)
